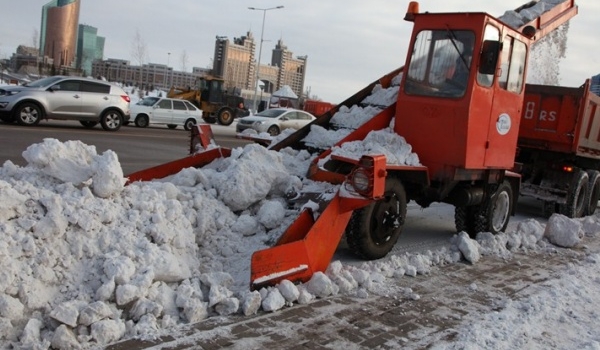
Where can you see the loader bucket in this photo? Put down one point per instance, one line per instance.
(307, 246)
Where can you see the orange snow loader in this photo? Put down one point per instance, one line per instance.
(459, 105)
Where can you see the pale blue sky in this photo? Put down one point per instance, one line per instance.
(349, 43)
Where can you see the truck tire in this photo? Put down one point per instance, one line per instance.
(549, 208)
(225, 116)
(374, 229)
(494, 213)
(593, 191)
(577, 200)
(464, 220)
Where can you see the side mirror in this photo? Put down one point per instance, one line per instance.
(488, 60)
(55, 88)
(284, 118)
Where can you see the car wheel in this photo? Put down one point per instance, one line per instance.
(273, 130)
(111, 120)
(189, 124)
(28, 114)
(171, 126)
(141, 121)
(88, 124)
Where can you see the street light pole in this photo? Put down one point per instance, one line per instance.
(168, 60)
(260, 50)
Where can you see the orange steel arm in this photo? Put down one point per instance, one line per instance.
(549, 20)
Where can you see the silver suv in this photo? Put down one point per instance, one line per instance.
(90, 101)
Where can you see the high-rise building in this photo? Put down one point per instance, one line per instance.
(235, 63)
(58, 39)
(90, 47)
(595, 84)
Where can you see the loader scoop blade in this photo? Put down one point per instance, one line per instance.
(306, 247)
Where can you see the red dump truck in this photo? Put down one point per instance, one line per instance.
(559, 148)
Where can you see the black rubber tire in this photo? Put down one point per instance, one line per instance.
(189, 124)
(577, 202)
(28, 114)
(494, 213)
(273, 130)
(549, 208)
(111, 120)
(373, 230)
(225, 116)
(593, 191)
(142, 121)
(464, 220)
(171, 126)
(88, 124)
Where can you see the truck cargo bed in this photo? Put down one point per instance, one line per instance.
(561, 119)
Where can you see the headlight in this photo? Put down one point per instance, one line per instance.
(361, 180)
(257, 123)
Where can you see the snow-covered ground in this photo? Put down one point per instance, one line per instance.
(87, 261)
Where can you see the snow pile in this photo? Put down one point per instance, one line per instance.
(524, 16)
(346, 119)
(386, 142)
(81, 270)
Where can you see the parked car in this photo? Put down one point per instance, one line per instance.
(167, 111)
(90, 101)
(274, 120)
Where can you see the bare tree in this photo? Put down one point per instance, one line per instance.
(184, 60)
(35, 38)
(139, 51)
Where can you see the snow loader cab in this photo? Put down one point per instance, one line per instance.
(216, 103)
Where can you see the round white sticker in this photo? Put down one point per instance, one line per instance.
(503, 124)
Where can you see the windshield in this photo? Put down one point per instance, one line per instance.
(440, 63)
(148, 101)
(271, 113)
(43, 82)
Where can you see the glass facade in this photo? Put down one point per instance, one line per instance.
(58, 38)
(90, 47)
(595, 84)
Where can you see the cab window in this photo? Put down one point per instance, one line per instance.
(440, 63)
(491, 33)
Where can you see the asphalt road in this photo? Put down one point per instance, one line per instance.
(137, 148)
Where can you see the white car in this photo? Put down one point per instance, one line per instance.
(166, 111)
(274, 120)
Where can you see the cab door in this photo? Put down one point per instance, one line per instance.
(507, 104)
